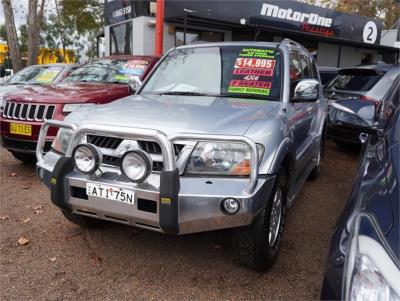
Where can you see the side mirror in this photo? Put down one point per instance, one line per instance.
(134, 84)
(307, 90)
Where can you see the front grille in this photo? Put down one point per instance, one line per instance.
(151, 147)
(105, 142)
(28, 111)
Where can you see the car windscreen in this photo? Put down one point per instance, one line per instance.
(108, 71)
(25, 75)
(47, 75)
(231, 71)
(356, 81)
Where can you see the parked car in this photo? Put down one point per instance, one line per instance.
(34, 75)
(327, 74)
(353, 96)
(214, 139)
(364, 257)
(97, 82)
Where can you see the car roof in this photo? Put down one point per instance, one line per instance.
(377, 67)
(327, 69)
(244, 43)
(128, 57)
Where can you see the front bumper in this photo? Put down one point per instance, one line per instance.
(198, 201)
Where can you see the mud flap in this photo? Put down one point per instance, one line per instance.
(169, 207)
(63, 167)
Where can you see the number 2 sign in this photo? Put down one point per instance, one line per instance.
(370, 33)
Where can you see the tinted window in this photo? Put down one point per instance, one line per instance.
(358, 82)
(108, 71)
(253, 72)
(326, 77)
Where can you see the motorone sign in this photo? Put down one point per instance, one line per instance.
(283, 15)
(275, 11)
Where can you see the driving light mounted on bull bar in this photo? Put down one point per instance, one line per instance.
(86, 158)
(136, 165)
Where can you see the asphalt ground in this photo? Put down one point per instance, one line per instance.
(61, 261)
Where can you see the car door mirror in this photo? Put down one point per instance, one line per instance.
(134, 84)
(306, 90)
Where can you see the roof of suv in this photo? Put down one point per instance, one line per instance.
(285, 43)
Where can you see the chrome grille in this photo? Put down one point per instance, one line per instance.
(111, 152)
(28, 111)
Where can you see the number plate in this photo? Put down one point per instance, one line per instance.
(21, 129)
(110, 193)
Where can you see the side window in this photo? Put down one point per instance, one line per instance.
(314, 70)
(295, 67)
(305, 67)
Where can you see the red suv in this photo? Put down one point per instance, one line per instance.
(98, 82)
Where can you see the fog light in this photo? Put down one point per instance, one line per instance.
(136, 165)
(230, 206)
(86, 158)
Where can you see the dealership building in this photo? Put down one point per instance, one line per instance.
(336, 39)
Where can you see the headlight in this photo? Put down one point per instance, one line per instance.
(70, 107)
(221, 158)
(86, 158)
(136, 165)
(370, 272)
(60, 144)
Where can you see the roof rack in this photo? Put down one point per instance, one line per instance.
(294, 43)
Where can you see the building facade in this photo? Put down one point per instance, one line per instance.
(336, 39)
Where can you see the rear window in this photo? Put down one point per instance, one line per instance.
(358, 82)
(326, 77)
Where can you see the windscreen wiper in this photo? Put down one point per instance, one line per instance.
(188, 93)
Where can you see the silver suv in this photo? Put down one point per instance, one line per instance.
(219, 136)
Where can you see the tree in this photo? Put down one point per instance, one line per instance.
(35, 18)
(388, 11)
(3, 32)
(12, 38)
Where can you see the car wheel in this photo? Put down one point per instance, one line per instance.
(315, 173)
(25, 158)
(256, 246)
(83, 221)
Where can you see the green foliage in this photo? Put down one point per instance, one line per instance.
(388, 11)
(3, 33)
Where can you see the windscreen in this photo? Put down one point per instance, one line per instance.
(355, 82)
(47, 75)
(231, 71)
(108, 71)
(25, 75)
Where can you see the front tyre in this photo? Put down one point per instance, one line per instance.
(256, 246)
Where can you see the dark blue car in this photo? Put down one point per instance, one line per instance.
(353, 98)
(364, 257)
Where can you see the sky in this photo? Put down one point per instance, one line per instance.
(20, 8)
